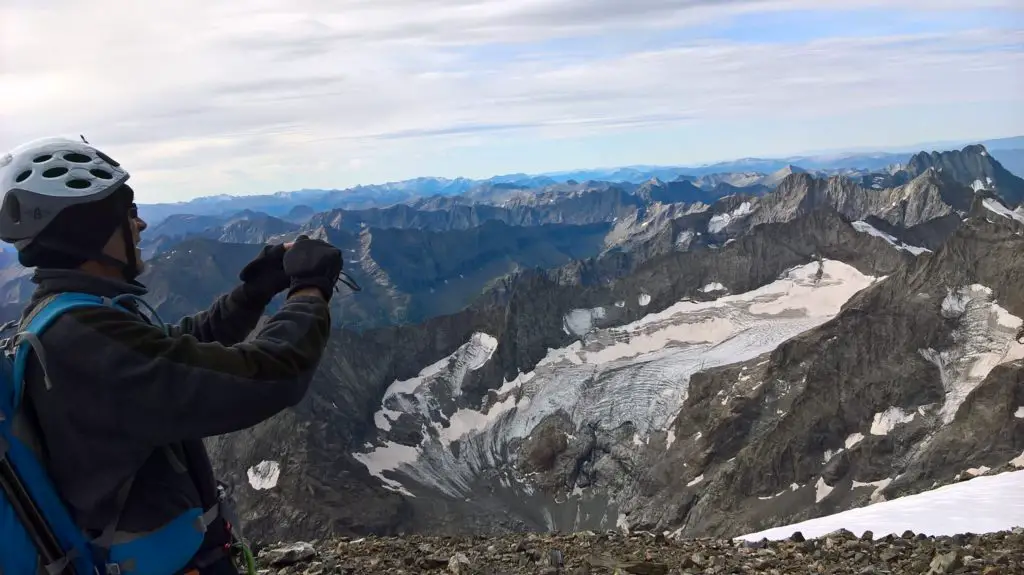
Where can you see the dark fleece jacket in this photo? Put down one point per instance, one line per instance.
(125, 393)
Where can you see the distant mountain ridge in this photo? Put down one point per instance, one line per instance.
(621, 226)
(379, 195)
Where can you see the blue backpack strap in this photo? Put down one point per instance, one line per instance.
(38, 321)
(30, 473)
(162, 551)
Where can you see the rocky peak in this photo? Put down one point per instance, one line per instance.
(300, 214)
(775, 178)
(655, 190)
(260, 228)
(929, 196)
(972, 166)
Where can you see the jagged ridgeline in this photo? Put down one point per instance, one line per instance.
(699, 354)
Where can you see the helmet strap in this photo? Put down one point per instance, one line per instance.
(131, 268)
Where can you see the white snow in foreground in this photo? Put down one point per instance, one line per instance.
(264, 475)
(980, 505)
(1019, 414)
(637, 372)
(995, 207)
(866, 228)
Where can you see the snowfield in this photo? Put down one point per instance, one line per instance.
(980, 505)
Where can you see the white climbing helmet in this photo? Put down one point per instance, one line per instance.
(41, 178)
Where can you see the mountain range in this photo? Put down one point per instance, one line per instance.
(295, 205)
(703, 355)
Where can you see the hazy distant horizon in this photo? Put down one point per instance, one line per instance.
(905, 150)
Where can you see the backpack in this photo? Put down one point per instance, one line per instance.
(37, 533)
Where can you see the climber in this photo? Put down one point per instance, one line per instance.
(122, 402)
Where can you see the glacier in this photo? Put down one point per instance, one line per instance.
(635, 374)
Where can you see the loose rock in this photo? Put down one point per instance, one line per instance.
(646, 554)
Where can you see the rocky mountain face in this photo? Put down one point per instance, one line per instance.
(917, 381)
(802, 368)
(245, 227)
(775, 178)
(928, 196)
(586, 206)
(972, 166)
(407, 275)
(255, 228)
(365, 427)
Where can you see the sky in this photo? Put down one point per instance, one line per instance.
(205, 97)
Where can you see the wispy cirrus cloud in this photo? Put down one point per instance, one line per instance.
(212, 97)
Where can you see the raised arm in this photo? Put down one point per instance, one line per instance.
(233, 316)
(152, 388)
(156, 388)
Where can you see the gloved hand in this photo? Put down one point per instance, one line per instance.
(313, 263)
(264, 277)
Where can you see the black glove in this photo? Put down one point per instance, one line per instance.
(313, 263)
(264, 277)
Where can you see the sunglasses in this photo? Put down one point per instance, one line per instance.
(133, 211)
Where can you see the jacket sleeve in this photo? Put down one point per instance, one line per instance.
(142, 383)
(228, 320)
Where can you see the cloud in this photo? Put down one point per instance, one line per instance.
(207, 97)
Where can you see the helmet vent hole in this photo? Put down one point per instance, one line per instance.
(107, 159)
(77, 158)
(43, 158)
(101, 174)
(78, 184)
(55, 172)
(23, 176)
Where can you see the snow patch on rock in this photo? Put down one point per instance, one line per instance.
(713, 287)
(684, 239)
(853, 439)
(821, 490)
(721, 221)
(866, 228)
(879, 485)
(580, 322)
(264, 475)
(995, 207)
(885, 421)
